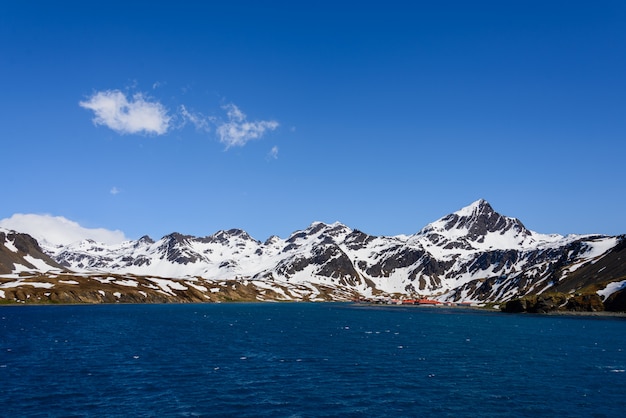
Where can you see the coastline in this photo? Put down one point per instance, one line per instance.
(605, 314)
(586, 313)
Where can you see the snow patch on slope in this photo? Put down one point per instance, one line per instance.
(611, 288)
(10, 245)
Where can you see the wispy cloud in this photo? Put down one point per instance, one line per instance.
(237, 130)
(198, 120)
(273, 153)
(140, 114)
(114, 190)
(125, 115)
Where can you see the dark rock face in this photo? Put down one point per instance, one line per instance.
(403, 257)
(483, 220)
(502, 260)
(145, 240)
(553, 302)
(406, 258)
(330, 261)
(173, 250)
(340, 267)
(83, 261)
(271, 240)
(548, 303)
(610, 267)
(616, 302)
(585, 303)
(25, 246)
(515, 306)
(357, 239)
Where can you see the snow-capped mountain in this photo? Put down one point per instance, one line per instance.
(479, 227)
(474, 254)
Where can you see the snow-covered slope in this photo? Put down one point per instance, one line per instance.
(474, 254)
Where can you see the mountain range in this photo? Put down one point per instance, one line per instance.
(474, 255)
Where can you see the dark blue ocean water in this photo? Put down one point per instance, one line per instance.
(305, 359)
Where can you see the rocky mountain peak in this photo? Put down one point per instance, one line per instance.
(225, 236)
(479, 218)
(145, 240)
(472, 224)
(272, 240)
(176, 237)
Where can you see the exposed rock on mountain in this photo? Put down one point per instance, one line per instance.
(472, 255)
(21, 252)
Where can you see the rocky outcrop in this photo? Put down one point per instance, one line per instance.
(616, 302)
(590, 302)
(553, 302)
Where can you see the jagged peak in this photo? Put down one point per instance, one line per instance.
(224, 235)
(176, 236)
(233, 232)
(272, 240)
(146, 239)
(329, 230)
(474, 209)
(472, 224)
(317, 228)
(478, 218)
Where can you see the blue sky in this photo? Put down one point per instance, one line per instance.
(266, 116)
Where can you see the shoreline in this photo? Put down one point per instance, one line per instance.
(606, 314)
(585, 313)
(486, 309)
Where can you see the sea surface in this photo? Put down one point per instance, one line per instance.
(307, 360)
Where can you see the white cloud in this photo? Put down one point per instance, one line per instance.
(237, 131)
(128, 116)
(114, 190)
(196, 119)
(59, 230)
(273, 152)
(138, 114)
